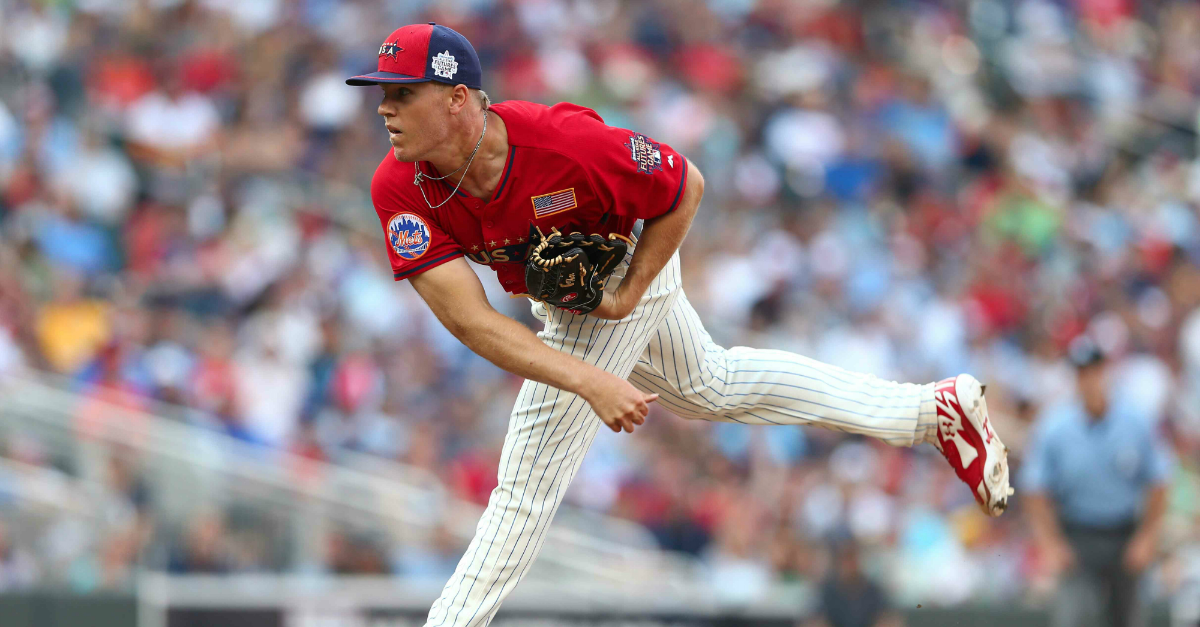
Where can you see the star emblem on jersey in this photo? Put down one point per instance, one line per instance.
(645, 153)
(444, 65)
(408, 235)
(389, 49)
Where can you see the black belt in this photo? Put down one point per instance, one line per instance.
(1099, 549)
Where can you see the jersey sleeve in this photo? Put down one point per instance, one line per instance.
(633, 174)
(415, 242)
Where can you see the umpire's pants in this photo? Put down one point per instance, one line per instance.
(1099, 591)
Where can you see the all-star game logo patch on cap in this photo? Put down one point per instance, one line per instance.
(425, 52)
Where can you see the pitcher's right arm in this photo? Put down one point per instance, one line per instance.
(454, 294)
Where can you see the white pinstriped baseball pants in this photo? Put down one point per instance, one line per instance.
(661, 348)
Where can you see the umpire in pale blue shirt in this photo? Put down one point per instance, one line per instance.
(1094, 479)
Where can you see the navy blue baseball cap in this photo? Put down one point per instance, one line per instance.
(425, 52)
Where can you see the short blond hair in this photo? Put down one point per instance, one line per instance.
(484, 100)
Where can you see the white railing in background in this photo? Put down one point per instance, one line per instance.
(189, 465)
(368, 601)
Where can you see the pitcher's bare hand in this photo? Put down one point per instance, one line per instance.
(620, 405)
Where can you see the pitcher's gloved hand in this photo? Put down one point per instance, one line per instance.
(569, 271)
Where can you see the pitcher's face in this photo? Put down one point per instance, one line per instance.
(417, 117)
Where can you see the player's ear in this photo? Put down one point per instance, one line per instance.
(460, 95)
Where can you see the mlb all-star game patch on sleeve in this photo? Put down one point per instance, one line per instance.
(415, 242)
(633, 174)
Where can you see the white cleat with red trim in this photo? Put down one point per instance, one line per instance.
(966, 439)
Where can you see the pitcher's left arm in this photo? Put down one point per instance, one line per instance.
(660, 238)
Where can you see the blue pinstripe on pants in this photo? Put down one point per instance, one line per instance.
(661, 348)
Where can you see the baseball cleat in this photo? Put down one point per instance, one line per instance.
(966, 439)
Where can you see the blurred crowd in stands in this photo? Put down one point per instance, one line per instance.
(911, 189)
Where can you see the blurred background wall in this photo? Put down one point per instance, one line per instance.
(911, 189)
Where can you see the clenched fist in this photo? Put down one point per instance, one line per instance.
(617, 402)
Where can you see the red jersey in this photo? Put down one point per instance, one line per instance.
(566, 168)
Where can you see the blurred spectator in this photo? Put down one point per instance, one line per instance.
(909, 189)
(71, 327)
(433, 559)
(171, 127)
(269, 390)
(848, 597)
(18, 571)
(204, 549)
(736, 561)
(101, 181)
(1181, 571)
(355, 553)
(1096, 476)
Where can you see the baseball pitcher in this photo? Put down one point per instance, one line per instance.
(585, 220)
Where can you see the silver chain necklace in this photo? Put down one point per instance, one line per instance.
(421, 175)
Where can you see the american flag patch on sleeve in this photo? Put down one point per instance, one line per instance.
(556, 202)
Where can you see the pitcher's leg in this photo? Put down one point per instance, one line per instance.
(696, 378)
(548, 435)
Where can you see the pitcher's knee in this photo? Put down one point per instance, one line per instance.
(704, 404)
